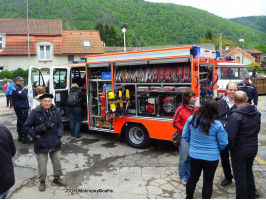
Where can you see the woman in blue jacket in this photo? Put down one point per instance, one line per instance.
(206, 137)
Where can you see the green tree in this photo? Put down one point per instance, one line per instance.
(5, 74)
(99, 26)
(134, 42)
(107, 34)
(20, 72)
(209, 34)
(112, 36)
(261, 47)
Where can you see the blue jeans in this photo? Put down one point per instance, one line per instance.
(74, 120)
(4, 195)
(184, 162)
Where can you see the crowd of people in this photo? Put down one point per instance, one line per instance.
(216, 129)
(44, 125)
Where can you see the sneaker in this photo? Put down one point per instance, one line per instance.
(225, 182)
(184, 182)
(42, 186)
(78, 136)
(59, 181)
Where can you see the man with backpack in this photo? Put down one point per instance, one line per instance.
(74, 102)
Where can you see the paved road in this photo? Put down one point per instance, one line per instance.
(100, 165)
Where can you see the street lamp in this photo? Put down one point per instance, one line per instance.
(124, 30)
(242, 40)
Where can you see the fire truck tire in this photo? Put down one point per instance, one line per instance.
(137, 136)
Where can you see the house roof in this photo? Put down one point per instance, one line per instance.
(18, 45)
(236, 50)
(73, 42)
(36, 26)
(253, 51)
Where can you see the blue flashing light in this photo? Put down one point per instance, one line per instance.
(196, 51)
(77, 61)
(218, 54)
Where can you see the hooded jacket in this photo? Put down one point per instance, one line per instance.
(36, 101)
(10, 88)
(243, 128)
(50, 140)
(7, 151)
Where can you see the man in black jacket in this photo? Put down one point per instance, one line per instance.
(46, 128)
(226, 107)
(21, 107)
(7, 151)
(243, 128)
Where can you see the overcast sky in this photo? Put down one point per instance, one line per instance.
(224, 8)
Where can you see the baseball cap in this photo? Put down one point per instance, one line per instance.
(19, 78)
(246, 76)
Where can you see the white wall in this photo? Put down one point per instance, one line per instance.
(246, 60)
(14, 62)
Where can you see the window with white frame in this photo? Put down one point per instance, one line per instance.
(86, 43)
(1, 43)
(45, 52)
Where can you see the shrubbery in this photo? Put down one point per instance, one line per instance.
(14, 74)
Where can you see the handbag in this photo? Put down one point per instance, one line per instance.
(176, 138)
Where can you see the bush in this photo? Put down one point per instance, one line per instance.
(250, 69)
(20, 72)
(14, 74)
(5, 74)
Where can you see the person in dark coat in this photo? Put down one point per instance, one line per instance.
(249, 89)
(7, 151)
(45, 126)
(243, 128)
(21, 107)
(226, 107)
(75, 111)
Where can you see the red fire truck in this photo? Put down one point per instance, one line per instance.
(134, 94)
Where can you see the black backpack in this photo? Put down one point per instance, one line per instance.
(73, 99)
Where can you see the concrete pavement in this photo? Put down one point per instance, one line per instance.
(100, 165)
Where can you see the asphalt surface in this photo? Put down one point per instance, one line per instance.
(100, 165)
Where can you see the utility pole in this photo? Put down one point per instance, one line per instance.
(28, 33)
(242, 40)
(124, 30)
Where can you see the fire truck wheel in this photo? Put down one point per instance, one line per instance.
(137, 136)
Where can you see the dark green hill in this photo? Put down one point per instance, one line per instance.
(154, 23)
(254, 22)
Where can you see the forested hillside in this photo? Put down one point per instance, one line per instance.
(254, 22)
(149, 23)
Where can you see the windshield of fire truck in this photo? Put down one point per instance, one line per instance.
(226, 73)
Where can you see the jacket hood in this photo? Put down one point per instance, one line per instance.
(74, 89)
(37, 97)
(247, 109)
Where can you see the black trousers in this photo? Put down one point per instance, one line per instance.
(242, 168)
(22, 115)
(226, 164)
(196, 166)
